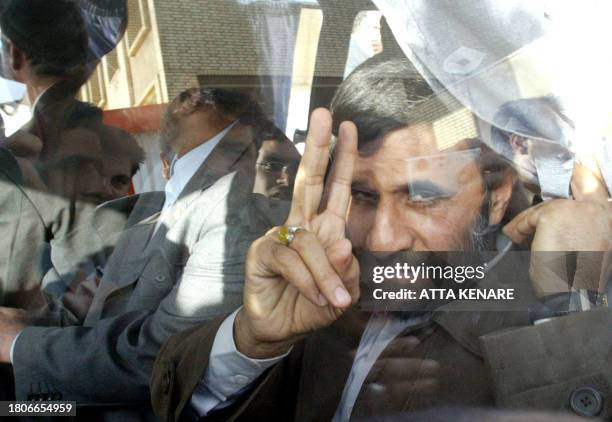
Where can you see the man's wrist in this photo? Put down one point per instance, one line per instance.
(252, 348)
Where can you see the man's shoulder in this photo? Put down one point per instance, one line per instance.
(9, 167)
(138, 202)
(115, 215)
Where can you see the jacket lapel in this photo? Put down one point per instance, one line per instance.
(231, 154)
(119, 271)
(223, 159)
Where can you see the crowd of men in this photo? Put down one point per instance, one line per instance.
(240, 291)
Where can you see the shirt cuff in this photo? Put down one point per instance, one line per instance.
(13, 346)
(229, 371)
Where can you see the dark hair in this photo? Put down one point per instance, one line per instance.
(83, 114)
(381, 95)
(51, 33)
(536, 117)
(117, 142)
(495, 170)
(114, 141)
(226, 101)
(269, 131)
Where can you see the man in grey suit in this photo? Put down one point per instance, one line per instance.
(178, 261)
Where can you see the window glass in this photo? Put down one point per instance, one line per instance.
(306, 210)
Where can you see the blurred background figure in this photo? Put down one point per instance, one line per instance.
(366, 39)
(53, 165)
(529, 142)
(44, 46)
(276, 165)
(74, 171)
(121, 157)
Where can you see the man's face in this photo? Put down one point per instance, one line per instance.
(407, 195)
(117, 177)
(169, 130)
(76, 167)
(276, 168)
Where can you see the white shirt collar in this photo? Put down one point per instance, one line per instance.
(184, 168)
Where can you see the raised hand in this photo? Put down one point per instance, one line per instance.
(554, 228)
(291, 290)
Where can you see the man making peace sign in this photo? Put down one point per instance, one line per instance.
(299, 350)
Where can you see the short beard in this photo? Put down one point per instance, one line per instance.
(479, 239)
(481, 236)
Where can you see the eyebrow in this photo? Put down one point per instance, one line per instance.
(410, 187)
(425, 185)
(275, 157)
(361, 185)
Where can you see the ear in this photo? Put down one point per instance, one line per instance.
(500, 198)
(16, 56)
(518, 144)
(165, 166)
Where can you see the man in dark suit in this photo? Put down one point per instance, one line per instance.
(402, 189)
(177, 260)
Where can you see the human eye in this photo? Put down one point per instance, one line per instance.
(272, 166)
(363, 197)
(427, 195)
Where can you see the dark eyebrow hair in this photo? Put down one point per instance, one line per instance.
(361, 185)
(275, 157)
(417, 186)
(410, 188)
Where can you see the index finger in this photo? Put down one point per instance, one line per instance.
(309, 182)
(524, 225)
(342, 171)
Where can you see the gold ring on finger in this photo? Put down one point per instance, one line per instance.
(286, 234)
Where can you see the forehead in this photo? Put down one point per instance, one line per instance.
(114, 165)
(413, 153)
(400, 144)
(79, 141)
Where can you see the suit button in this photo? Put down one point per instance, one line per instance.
(160, 278)
(586, 401)
(241, 379)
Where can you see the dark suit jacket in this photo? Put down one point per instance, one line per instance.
(487, 358)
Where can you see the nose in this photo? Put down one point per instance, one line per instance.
(389, 232)
(283, 178)
(108, 188)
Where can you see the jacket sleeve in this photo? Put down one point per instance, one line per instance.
(111, 361)
(564, 363)
(182, 362)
